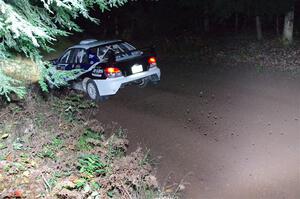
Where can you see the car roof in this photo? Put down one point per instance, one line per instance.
(86, 44)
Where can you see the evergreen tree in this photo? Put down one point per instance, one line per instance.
(29, 26)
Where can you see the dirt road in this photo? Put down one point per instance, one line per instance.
(231, 135)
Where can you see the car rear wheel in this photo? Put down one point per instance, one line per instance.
(93, 92)
(143, 83)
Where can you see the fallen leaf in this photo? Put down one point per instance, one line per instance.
(9, 157)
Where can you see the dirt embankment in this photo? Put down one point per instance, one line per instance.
(52, 148)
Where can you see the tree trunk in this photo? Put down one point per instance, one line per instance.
(258, 28)
(288, 27)
(277, 25)
(206, 24)
(236, 25)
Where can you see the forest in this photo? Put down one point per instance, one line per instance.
(218, 116)
(28, 27)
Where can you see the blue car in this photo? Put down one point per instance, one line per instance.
(107, 66)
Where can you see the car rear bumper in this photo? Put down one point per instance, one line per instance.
(111, 86)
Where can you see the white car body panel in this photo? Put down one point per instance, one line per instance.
(110, 86)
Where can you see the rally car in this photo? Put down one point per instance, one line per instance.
(107, 66)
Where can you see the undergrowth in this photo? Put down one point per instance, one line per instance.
(51, 149)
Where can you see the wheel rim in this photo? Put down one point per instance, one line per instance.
(92, 92)
(142, 82)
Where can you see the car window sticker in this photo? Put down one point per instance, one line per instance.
(79, 56)
(72, 56)
(100, 51)
(65, 57)
(107, 48)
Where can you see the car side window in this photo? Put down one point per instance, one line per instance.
(71, 59)
(65, 57)
(101, 51)
(120, 51)
(80, 56)
(97, 53)
(127, 46)
(68, 57)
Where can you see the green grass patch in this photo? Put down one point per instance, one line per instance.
(91, 166)
(71, 106)
(83, 142)
(50, 150)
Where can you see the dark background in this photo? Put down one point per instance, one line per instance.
(170, 19)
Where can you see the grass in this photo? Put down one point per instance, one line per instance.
(6, 128)
(84, 142)
(114, 151)
(18, 144)
(90, 165)
(47, 153)
(50, 150)
(14, 168)
(71, 106)
(39, 119)
(147, 159)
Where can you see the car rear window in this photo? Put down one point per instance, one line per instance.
(120, 49)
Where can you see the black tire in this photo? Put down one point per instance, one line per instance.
(143, 83)
(93, 92)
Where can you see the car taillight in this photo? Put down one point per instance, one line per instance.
(152, 61)
(112, 72)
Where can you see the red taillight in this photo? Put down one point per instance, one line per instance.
(152, 61)
(111, 72)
